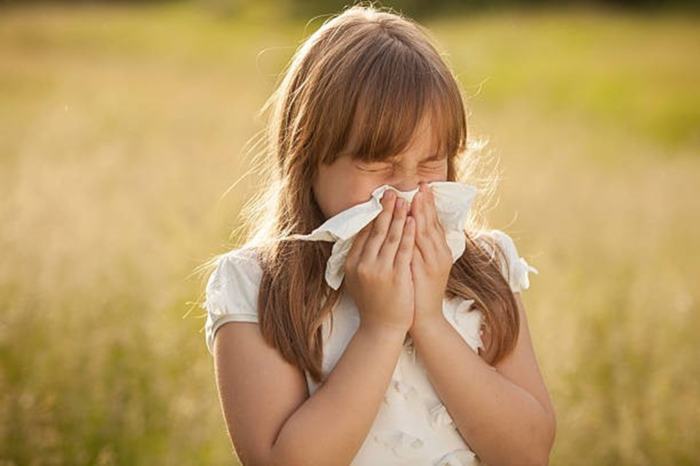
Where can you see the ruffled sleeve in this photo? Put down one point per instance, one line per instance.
(232, 291)
(516, 269)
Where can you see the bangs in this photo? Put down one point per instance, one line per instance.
(396, 90)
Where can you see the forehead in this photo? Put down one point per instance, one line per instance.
(423, 143)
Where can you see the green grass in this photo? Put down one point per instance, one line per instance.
(121, 128)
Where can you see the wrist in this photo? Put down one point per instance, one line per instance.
(426, 325)
(383, 330)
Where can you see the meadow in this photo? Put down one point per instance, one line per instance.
(123, 130)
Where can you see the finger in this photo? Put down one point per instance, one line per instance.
(429, 243)
(417, 261)
(380, 225)
(406, 249)
(358, 243)
(431, 208)
(393, 236)
(424, 248)
(418, 212)
(431, 239)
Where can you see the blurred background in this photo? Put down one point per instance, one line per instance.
(123, 128)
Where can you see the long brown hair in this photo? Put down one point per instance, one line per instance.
(360, 85)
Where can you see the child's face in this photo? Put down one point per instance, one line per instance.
(347, 182)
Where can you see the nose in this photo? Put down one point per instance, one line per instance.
(407, 182)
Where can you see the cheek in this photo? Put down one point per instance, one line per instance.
(436, 173)
(358, 189)
(440, 175)
(338, 193)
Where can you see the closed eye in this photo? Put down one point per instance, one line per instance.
(374, 168)
(434, 163)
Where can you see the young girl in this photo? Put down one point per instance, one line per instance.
(417, 358)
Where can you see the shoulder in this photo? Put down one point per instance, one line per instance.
(231, 292)
(244, 257)
(514, 267)
(232, 270)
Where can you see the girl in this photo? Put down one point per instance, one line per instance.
(415, 359)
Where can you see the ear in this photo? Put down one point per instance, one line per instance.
(487, 353)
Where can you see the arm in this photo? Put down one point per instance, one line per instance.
(504, 411)
(270, 417)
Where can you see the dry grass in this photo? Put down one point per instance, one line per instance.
(122, 127)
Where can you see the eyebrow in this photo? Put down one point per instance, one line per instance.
(433, 157)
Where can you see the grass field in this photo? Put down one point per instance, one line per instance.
(121, 128)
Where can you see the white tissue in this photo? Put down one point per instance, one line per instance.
(452, 200)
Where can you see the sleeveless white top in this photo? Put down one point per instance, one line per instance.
(412, 426)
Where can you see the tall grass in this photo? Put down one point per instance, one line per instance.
(122, 128)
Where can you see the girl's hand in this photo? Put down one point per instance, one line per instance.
(378, 268)
(432, 259)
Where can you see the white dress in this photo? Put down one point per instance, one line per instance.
(412, 426)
